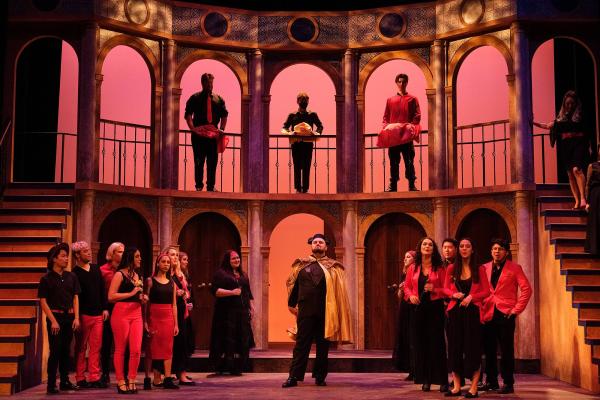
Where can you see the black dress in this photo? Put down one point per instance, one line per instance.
(180, 353)
(464, 335)
(592, 237)
(231, 334)
(573, 151)
(402, 351)
(429, 343)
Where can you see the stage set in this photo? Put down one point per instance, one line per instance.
(95, 146)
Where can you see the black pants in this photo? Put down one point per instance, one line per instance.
(60, 347)
(205, 149)
(407, 151)
(302, 157)
(499, 330)
(106, 353)
(309, 329)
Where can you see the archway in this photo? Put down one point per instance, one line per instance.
(380, 86)
(205, 238)
(385, 244)
(318, 85)
(481, 226)
(482, 126)
(127, 226)
(226, 85)
(45, 122)
(125, 136)
(287, 242)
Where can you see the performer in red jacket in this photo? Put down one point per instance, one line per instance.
(402, 107)
(510, 293)
(467, 286)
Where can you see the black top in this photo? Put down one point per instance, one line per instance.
(309, 117)
(127, 286)
(496, 272)
(59, 290)
(422, 281)
(196, 107)
(92, 299)
(464, 286)
(224, 280)
(161, 293)
(309, 291)
(567, 126)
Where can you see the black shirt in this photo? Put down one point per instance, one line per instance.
(309, 117)
(223, 279)
(59, 290)
(161, 293)
(196, 107)
(496, 272)
(92, 300)
(127, 286)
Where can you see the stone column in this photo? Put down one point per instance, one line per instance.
(349, 235)
(349, 171)
(522, 111)
(452, 178)
(256, 172)
(165, 222)
(359, 333)
(440, 219)
(256, 273)
(168, 149)
(527, 332)
(87, 155)
(439, 145)
(85, 216)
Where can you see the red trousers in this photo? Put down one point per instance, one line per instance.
(127, 327)
(90, 333)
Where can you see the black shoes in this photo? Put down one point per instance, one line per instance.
(290, 382)
(169, 384)
(123, 391)
(67, 385)
(187, 383)
(105, 378)
(470, 395)
(392, 188)
(452, 394)
(426, 387)
(444, 388)
(410, 377)
(147, 384)
(52, 390)
(412, 188)
(99, 384)
(83, 384)
(320, 382)
(506, 389)
(489, 386)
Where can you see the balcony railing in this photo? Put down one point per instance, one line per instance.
(544, 158)
(124, 153)
(281, 166)
(66, 152)
(377, 165)
(228, 165)
(483, 154)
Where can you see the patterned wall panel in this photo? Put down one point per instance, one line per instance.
(448, 13)
(186, 21)
(362, 28)
(244, 28)
(420, 21)
(365, 58)
(273, 30)
(332, 30)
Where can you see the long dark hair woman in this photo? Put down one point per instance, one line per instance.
(424, 286)
(231, 335)
(402, 353)
(126, 291)
(466, 285)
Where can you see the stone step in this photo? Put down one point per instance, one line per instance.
(21, 308)
(22, 273)
(18, 290)
(566, 230)
(568, 245)
(23, 258)
(19, 228)
(555, 202)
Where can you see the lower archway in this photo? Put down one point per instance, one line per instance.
(205, 238)
(481, 226)
(385, 244)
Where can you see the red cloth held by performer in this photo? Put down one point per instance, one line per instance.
(212, 132)
(398, 133)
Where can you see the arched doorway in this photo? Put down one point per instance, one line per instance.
(127, 226)
(385, 244)
(45, 121)
(483, 225)
(205, 238)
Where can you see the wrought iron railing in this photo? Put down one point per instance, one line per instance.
(377, 165)
(125, 151)
(228, 165)
(544, 158)
(483, 154)
(322, 171)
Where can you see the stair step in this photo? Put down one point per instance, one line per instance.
(568, 219)
(22, 273)
(34, 211)
(18, 290)
(589, 313)
(566, 230)
(37, 198)
(553, 189)
(23, 258)
(12, 349)
(24, 246)
(39, 188)
(568, 245)
(586, 295)
(21, 308)
(13, 338)
(31, 228)
(555, 202)
(59, 219)
(9, 367)
(7, 383)
(583, 280)
(16, 329)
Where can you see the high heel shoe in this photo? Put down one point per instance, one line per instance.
(121, 391)
(132, 388)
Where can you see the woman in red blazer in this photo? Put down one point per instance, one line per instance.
(424, 286)
(466, 285)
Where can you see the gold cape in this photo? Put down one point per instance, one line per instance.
(338, 319)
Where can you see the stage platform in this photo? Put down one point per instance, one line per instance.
(346, 386)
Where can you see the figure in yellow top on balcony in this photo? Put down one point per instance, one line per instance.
(300, 126)
(203, 111)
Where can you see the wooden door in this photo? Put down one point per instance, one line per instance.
(205, 238)
(386, 242)
(481, 226)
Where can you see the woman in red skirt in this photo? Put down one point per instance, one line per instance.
(161, 321)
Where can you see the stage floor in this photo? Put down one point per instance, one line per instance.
(346, 386)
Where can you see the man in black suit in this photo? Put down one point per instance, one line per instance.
(314, 279)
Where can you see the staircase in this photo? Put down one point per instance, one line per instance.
(33, 217)
(565, 229)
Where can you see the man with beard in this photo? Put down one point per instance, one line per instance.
(317, 296)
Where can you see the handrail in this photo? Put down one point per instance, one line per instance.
(5, 131)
